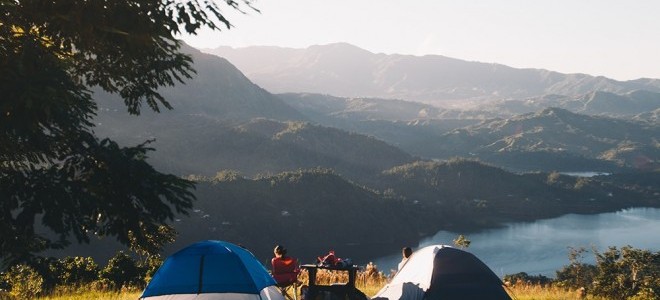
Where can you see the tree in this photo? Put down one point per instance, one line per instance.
(462, 242)
(627, 272)
(52, 167)
(577, 274)
(121, 270)
(25, 282)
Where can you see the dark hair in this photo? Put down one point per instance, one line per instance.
(279, 250)
(406, 251)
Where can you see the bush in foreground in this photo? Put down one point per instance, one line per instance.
(625, 273)
(24, 282)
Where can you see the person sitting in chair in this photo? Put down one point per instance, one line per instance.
(285, 269)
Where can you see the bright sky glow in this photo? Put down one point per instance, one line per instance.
(619, 39)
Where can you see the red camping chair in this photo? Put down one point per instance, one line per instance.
(285, 273)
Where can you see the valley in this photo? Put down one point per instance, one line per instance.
(362, 175)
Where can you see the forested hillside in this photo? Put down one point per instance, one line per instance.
(316, 210)
(562, 139)
(312, 211)
(546, 139)
(191, 144)
(595, 102)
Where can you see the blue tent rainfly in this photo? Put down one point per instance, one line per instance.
(212, 270)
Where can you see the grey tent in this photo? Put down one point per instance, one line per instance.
(441, 272)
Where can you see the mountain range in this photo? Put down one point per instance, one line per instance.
(362, 173)
(559, 135)
(345, 70)
(627, 105)
(223, 121)
(547, 139)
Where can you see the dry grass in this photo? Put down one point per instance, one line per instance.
(369, 281)
(547, 292)
(86, 295)
(520, 292)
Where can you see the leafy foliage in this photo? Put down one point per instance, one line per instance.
(122, 270)
(24, 281)
(52, 166)
(150, 266)
(462, 242)
(577, 274)
(75, 270)
(626, 273)
(525, 278)
(73, 273)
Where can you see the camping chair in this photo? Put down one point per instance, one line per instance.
(285, 273)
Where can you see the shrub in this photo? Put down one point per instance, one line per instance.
(121, 271)
(462, 242)
(150, 266)
(525, 278)
(4, 285)
(24, 281)
(577, 274)
(76, 270)
(627, 272)
(48, 268)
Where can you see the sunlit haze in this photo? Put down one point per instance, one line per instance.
(613, 38)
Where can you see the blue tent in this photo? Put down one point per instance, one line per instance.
(212, 270)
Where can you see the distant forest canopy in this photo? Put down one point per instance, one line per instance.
(310, 210)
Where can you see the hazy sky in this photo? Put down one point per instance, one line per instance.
(619, 39)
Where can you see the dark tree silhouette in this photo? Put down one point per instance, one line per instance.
(53, 170)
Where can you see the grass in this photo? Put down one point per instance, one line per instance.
(369, 281)
(521, 292)
(547, 292)
(86, 295)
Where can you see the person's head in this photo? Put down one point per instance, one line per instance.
(407, 251)
(279, 251)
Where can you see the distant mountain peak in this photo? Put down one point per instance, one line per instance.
(345, 70)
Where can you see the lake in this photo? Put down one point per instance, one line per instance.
(541, 247)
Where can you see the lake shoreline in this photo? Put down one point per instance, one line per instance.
(570, 230)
